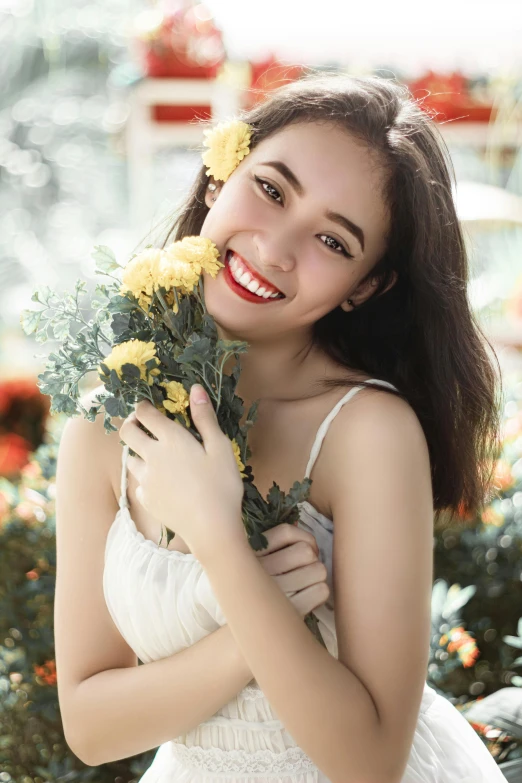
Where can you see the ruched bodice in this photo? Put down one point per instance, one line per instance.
(162, 601)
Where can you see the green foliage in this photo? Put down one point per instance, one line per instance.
(32, 743)
(486, 554)
(188, 350)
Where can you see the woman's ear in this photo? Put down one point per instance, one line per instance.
(211, 192)
(362, 293)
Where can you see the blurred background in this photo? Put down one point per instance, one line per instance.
(99, 143)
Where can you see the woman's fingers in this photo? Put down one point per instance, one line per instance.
(133, 435)
(137, 467)
(301, 578)
(311, 598)
(150, 416)
(284, 535)
(290, 557)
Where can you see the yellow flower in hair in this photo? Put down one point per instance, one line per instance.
(237, 455)
(140, 274)
(177, 399)
(227, 143)
(136, 352)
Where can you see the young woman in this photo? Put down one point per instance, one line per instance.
(345, 271)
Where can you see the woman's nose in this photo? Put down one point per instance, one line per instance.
(274, 255)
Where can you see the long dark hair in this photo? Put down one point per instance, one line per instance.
(421, 335)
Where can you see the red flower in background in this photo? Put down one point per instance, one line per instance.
(268, 75)
(450, 95)
(23, 413)
(14, 454)
(47, 672)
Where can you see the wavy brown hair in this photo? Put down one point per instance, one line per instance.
(421, 335)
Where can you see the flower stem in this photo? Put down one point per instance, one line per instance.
(168, 316)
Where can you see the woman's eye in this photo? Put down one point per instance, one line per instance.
(334, 244)
(268, 189)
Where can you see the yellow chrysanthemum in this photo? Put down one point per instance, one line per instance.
(135, 352)
(176, 273)
(200, 253)
(237, 455)
(177, 399)
(140, 275)
(227, 143)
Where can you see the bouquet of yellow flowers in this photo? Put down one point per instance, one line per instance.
(152, 338)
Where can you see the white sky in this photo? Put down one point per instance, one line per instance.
(477, 35)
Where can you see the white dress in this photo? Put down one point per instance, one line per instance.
(162, 602)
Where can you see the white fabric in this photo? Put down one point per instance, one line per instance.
(162, 602)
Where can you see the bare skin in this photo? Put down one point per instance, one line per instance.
(103, 693)
(282, 237)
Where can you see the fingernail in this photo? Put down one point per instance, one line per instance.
(199, 394)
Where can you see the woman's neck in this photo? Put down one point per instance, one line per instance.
(283, 370)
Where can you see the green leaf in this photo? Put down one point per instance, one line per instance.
(298, 492)
(514, 641)
(92, 413)
(54, 384)
(275, 496)
(130, 373)
(116, 406)
(42, 294)
(61, 328)
(157, 395)
(29, 320)
(231, 346)
(62, 403)
(196, 352)
(258, 541)
(109, 427)
(115, 380)
(458, 600)
(41, 335)
(105, 259)
(122, 304)
(252, 414)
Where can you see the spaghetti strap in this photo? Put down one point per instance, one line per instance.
(323, 428)
(124, 503)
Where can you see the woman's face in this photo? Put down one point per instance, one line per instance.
(284, 214)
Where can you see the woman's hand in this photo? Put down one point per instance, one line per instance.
(292, 558)
(194, 489)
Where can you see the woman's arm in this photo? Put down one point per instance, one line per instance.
(123, 712)
(356, 716)
(112, 708)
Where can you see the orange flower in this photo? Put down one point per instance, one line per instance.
(14, 453)
(32, 470)
(47, 672)
(463, 513)
(464, 645)
(33, 575)
(503, 477)
(492, 517)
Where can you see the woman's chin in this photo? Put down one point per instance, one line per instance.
(228, 329)
(222, 310)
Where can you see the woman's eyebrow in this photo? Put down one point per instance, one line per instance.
(290, 177)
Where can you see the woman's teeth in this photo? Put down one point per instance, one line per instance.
(246, 280)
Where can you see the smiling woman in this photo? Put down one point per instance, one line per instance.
(371, 377)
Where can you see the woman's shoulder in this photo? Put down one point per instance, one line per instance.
(375, 414)
(103, 448)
